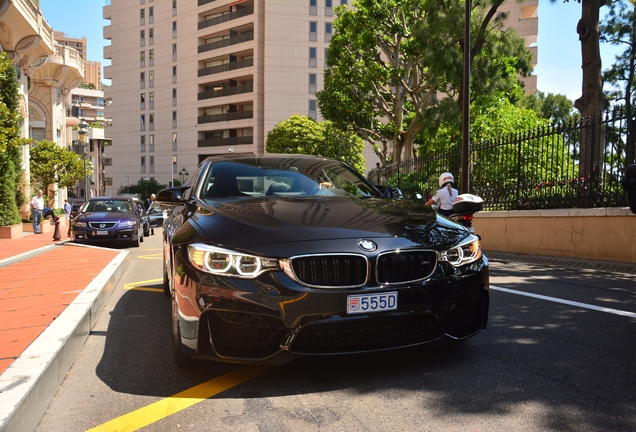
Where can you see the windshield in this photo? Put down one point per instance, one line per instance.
(109, 206)
(289, 179)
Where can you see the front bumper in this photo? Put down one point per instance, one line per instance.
(112, 235)
(273, 317)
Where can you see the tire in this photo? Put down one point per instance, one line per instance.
(180, 359)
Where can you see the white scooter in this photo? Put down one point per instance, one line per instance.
(464, 207)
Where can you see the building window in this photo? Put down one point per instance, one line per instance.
(151, 14)
(151, 143)
(151, 36)
(107, 161)
(174, 97)
(143, 164)
(142, 59)
(142, 80)
(174, 142)
(151, 100)
(151, 78)
(328, 8)
(313, 31)
(174, 29)
(313, 78)
(174, 74)
(343, 2)
(328, 28)
(142, 101)
(313, 7)
(313, 62)
(174, 119)
(152, 164)
(151, 57)
(151, 122)
(142, 14)
(312, 109)
(108, 181)
(142, 35)
(174, 51)
(100, 102)
(142, 119)
(143, 144)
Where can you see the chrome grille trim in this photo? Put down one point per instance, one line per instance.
(328, 270)
(97, 225)
(405, 266)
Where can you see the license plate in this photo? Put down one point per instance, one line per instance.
(364, 303)
(102, 232)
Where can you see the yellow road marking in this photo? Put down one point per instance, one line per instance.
(151, 256)
(136, 285)
(159, 410)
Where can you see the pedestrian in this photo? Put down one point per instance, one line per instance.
(445, 195)
(67, 211)
(37, 206)
(72, 216)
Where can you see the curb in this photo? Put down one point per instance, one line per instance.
(29, 384)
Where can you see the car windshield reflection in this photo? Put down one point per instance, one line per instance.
(109, 206)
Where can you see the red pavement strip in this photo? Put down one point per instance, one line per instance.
(35, 290)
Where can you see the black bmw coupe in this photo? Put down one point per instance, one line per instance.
(276, 256)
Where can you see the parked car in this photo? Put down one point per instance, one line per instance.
(145, 218)
(109, 220)
(271, 257)
(155, 215)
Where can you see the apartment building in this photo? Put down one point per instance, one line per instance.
(192, 79)
(47, 72)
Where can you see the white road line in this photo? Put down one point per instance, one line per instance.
(566, 302)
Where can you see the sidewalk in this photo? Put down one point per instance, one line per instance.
(51, 293)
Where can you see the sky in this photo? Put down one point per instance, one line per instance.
(558, 67)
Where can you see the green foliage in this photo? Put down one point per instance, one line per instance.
(303, 135)
(555, 107)
(143, 188)
(390, 59)
(10, 144)
(52, 164)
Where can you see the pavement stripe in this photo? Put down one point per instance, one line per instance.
(566, 302)
(159, 410)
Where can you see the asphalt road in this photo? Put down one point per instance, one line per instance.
(558, 355)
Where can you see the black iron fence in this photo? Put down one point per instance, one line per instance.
(536, 169)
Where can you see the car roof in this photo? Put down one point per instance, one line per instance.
(267, 156)
(114, 197)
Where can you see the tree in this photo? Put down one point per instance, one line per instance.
(389, 59)
(11, 196)
(143, 188)
(555, 107)
(303, 135)
(52, 164)
(619, 28)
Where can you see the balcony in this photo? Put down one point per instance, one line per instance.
(230, 91)
(247, 36)
(108, 32)
(204, 2)
(230, 141)
(226, 17)
(237, 115)
(108, 52)
(226, 67)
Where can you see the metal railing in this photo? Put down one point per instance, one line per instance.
(214, 142)
(226, 17)
(244, 37)
(229, 91)
(236, 115)
(534, 169)
(226, 67)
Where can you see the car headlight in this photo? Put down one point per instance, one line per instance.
(211, 259)
(125, 224)
(464, 253)
(80, 224)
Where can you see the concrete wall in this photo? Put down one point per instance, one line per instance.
(607, 234)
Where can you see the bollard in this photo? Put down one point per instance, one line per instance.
(56, 233)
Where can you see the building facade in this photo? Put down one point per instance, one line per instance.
(47, 72)
(92, 69)
(192, 79)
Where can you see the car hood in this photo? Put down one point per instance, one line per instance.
(104, 216)
(271, 221)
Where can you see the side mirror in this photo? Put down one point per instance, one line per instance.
(629, 184)
(173, 195)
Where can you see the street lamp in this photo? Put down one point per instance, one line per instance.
(183, 175)
(127, 185)
(82, 136)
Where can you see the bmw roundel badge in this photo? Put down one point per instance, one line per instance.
(367, 245)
